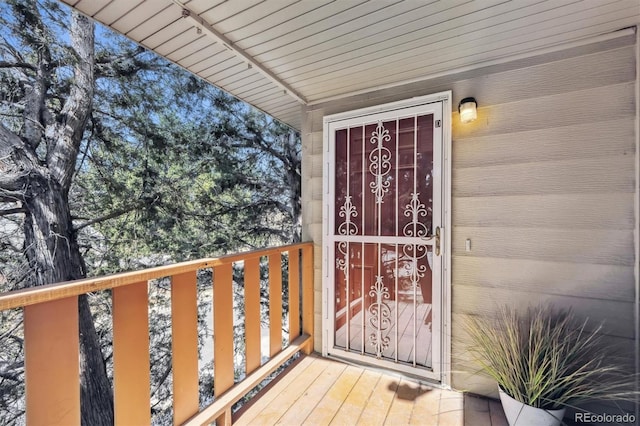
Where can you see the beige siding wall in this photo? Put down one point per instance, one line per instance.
(543, 184)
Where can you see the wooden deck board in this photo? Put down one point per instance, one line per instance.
(354, 403)
(377, 407)
(404, 402)
(451, 411)
(288, 395)
(267, 397)
(327, 408)
(426, 407)
(321, 391)
(298, 412)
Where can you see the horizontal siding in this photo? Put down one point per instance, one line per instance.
(596, 69)
(582, 140)
(543, 187)
(552, 211)
(590, 281)
(582, 106)
(550, 177)
(605, 247)
(614, 315)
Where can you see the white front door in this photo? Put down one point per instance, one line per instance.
(384, 239)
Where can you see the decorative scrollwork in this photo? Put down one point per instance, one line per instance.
(380, 316)
(415, 271)
(380, 162)
(341, 262)
(415, 209)
(348, 211)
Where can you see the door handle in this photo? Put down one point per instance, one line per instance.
(436, 239)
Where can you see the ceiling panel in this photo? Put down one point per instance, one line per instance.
(192, 58)
(186, 44)
(410, 27)
(325, 49)
(134, 17)
(314, 26)
(261, 95)
(156, 23)
(333, 42)
(435, 34)
(179, 29)
(201, 6)
(116, 9)
(507, 37)
(88, 7)
(218, 15)
(258, 18)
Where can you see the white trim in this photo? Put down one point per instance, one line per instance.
(637, 223)
(387, 108)
(440, 105)
(447, 301)
(502, 60)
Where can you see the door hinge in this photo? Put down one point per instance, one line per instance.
(438, 123)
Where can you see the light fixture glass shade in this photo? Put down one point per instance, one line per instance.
(467, 109)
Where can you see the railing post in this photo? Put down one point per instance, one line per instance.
(52, 370)
(222, 328)
(252, 313)
(184, 346)
(307, 296)
(131, 373)
(275, 303)
(294, 294)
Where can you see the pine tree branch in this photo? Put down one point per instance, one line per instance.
(16, 210)
(4, 64)
(109, 216)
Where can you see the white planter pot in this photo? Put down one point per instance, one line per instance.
(519, 414)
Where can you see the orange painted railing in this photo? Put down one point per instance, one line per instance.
(52, 347)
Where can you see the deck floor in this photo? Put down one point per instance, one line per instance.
(321, 391)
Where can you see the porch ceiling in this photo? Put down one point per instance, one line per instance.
(281, 54)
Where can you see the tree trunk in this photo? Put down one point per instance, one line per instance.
(294, 184)
(42, 187)
(54, 256)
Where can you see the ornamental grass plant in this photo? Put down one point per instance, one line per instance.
(548, 359)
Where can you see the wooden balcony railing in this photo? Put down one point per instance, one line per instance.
(52, 346)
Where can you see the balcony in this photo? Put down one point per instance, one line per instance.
(51, 354)
(313, 390)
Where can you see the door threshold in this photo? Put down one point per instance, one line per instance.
(436, 384)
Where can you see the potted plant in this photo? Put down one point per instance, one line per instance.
(545, 360)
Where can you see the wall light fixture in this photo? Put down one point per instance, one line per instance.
(467, 109)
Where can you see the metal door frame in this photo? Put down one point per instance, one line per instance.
(441, 352)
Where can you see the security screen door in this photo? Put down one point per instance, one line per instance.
(383, 238)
